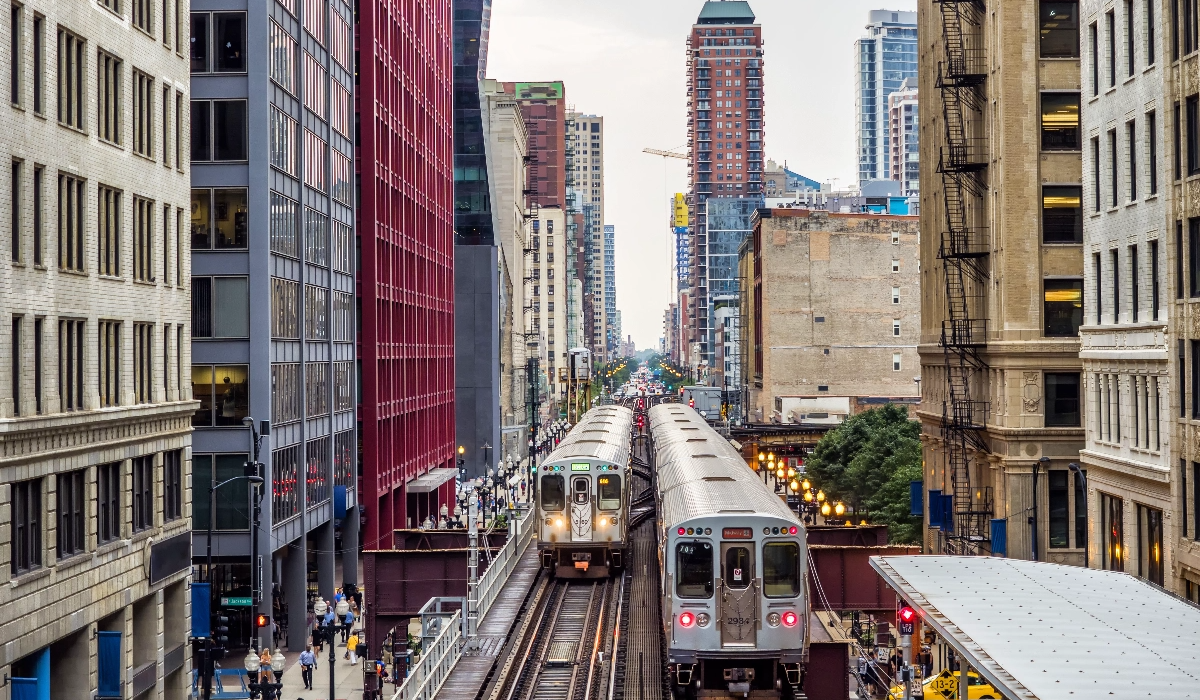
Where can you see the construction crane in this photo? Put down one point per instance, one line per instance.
(665, 154)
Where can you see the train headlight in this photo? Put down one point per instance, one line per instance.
(558, 522)
(612, 520)
(773, 619)
(702, 619)
(686, 619)
(548, 521)
(790, 618)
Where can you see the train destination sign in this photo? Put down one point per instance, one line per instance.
(737, 533)
(580, 466)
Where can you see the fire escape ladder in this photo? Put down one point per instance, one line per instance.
(964, 250)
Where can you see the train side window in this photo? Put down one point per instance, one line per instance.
(610, 491)
(781, 569)
(554, 492)
(737, 567)
(693, 570)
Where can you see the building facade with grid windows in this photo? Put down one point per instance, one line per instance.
(95, 356)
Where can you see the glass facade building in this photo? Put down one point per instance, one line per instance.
(472, 202)
(886, 56)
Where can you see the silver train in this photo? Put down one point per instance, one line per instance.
(583, 496)
(734, 567)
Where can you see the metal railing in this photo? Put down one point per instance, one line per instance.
(436, 662)
(520, 534)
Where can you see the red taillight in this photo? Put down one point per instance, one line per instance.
(790, 619)
(793, 530)
(686, 619)
(682, 531)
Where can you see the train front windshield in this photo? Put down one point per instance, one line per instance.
(554, 492)
(694, 570)
(781, 569)
(610, 491)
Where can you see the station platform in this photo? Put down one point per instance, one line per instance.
(472, 670)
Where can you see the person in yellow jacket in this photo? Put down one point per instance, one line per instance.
(352, 648)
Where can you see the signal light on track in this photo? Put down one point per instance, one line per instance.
(906, 614)
(790, 619)
(687, 619)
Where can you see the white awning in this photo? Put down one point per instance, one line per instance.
(1039, 631)
(430, 480)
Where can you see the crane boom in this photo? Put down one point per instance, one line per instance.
(665, 154)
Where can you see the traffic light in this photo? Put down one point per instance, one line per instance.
(261, 621)
(220, 635)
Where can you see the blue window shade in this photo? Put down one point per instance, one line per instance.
(1000, 537)
(38, 687)
(935, 510)
(947, 512)
(110, 665)
(24, 689)
(916, 492)
(201, 610)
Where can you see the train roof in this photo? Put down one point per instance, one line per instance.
(700, 473)
(602, 433)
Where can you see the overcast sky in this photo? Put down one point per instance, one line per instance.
(624, 60)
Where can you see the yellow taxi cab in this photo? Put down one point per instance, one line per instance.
(944, 686)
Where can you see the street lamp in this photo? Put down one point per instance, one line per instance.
(266, 690)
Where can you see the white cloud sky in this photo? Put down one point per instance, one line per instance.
(624, 59)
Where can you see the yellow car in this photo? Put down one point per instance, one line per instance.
(944, 686)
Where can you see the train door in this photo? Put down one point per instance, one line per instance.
(581, 508)
(739, 595)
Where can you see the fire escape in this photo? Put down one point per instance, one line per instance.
(533, 305)
(964, 250)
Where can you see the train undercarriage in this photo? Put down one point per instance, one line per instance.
(737, 678)
(582, 562)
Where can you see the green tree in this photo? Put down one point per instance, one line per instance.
(867, 463)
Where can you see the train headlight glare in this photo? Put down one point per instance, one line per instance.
(790, 619)
(773, 619)
(686, 619)
(558, 522)
(702, 619)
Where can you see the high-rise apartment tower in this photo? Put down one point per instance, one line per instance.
(886, 56)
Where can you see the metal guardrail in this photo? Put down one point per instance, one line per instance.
(506, 560)
(441, 654)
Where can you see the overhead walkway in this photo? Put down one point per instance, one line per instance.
(1039, 631)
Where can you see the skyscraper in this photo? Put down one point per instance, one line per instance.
(725, 142)
(406, 278)
(904, 141)
(886, 56)
(586, 139)
(612, 322)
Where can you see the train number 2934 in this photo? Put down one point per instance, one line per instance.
(738, 621)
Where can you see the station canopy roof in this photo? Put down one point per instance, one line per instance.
(1040, 631)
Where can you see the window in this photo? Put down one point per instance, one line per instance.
(1059, 498)
(343, 386)
(781, 569)
(1114, 178)
(1062, 399)
(219, 130)
(895, 295)
(15, 206)
(1062, 214)
(71, 91)
(1154, 280)
(219, 219)
(1093, 35)
(314, 19)
(284, 215)
(282, 50)
(343, 316)
(179, 131)
(1081, 511)
(285, 308)
(285, 393)
(1196, 500)
(316, 312)
(230, 504)
(895, 327)
(38, 366)
(108, 502)
(1194, 257)
(143, 113)
(343, 247)
(345, 459)
(1059, 29)
(316, 237)
(39, 64)
(1151, 28)
(284, 137)
(316, 86)
(1097, 268)
(739, 567)
(166, 126)
(143, 239)
(1181, 359)
(1178, 144)
(143, 493)
(1179, 279)
(108, 362)
(554, 492)
(609, 491)
(221, 50)
(1116, 285)
(108, 230)
(1134, 287)
(316, 389)
(1112, 533)
(316, 459)
(70, 364)
(285, 483)
(895, 266)
(693, 568)
(1062, 307)
(1129, 52)
(343, 41)
(70, 498)
(15, 373)
(143, 16)
(316, 161)
(1193, 135)
(220, 307)
(143, 362)
(895, 362)
(1131, 157)
(1110, 26)
(1174, 30)
(172, 485)
(1150, 544)
(1189, 26)
(1060, 121)
(166, 244)
(38, 234)
(109, 92)
(16, 53)
(222, 393)
(26, 514)
(342, 179)
(1152, 148)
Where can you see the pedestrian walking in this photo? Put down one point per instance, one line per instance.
(352, 648)
(308, 662)
(348, 622)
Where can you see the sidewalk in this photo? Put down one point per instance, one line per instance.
(349, 679)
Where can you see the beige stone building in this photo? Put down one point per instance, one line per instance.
(1001, 303)
(95, 392)
(833, 308)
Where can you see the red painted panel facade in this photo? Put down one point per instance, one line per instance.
(404, 162)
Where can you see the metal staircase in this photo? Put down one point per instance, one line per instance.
(962, 163)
